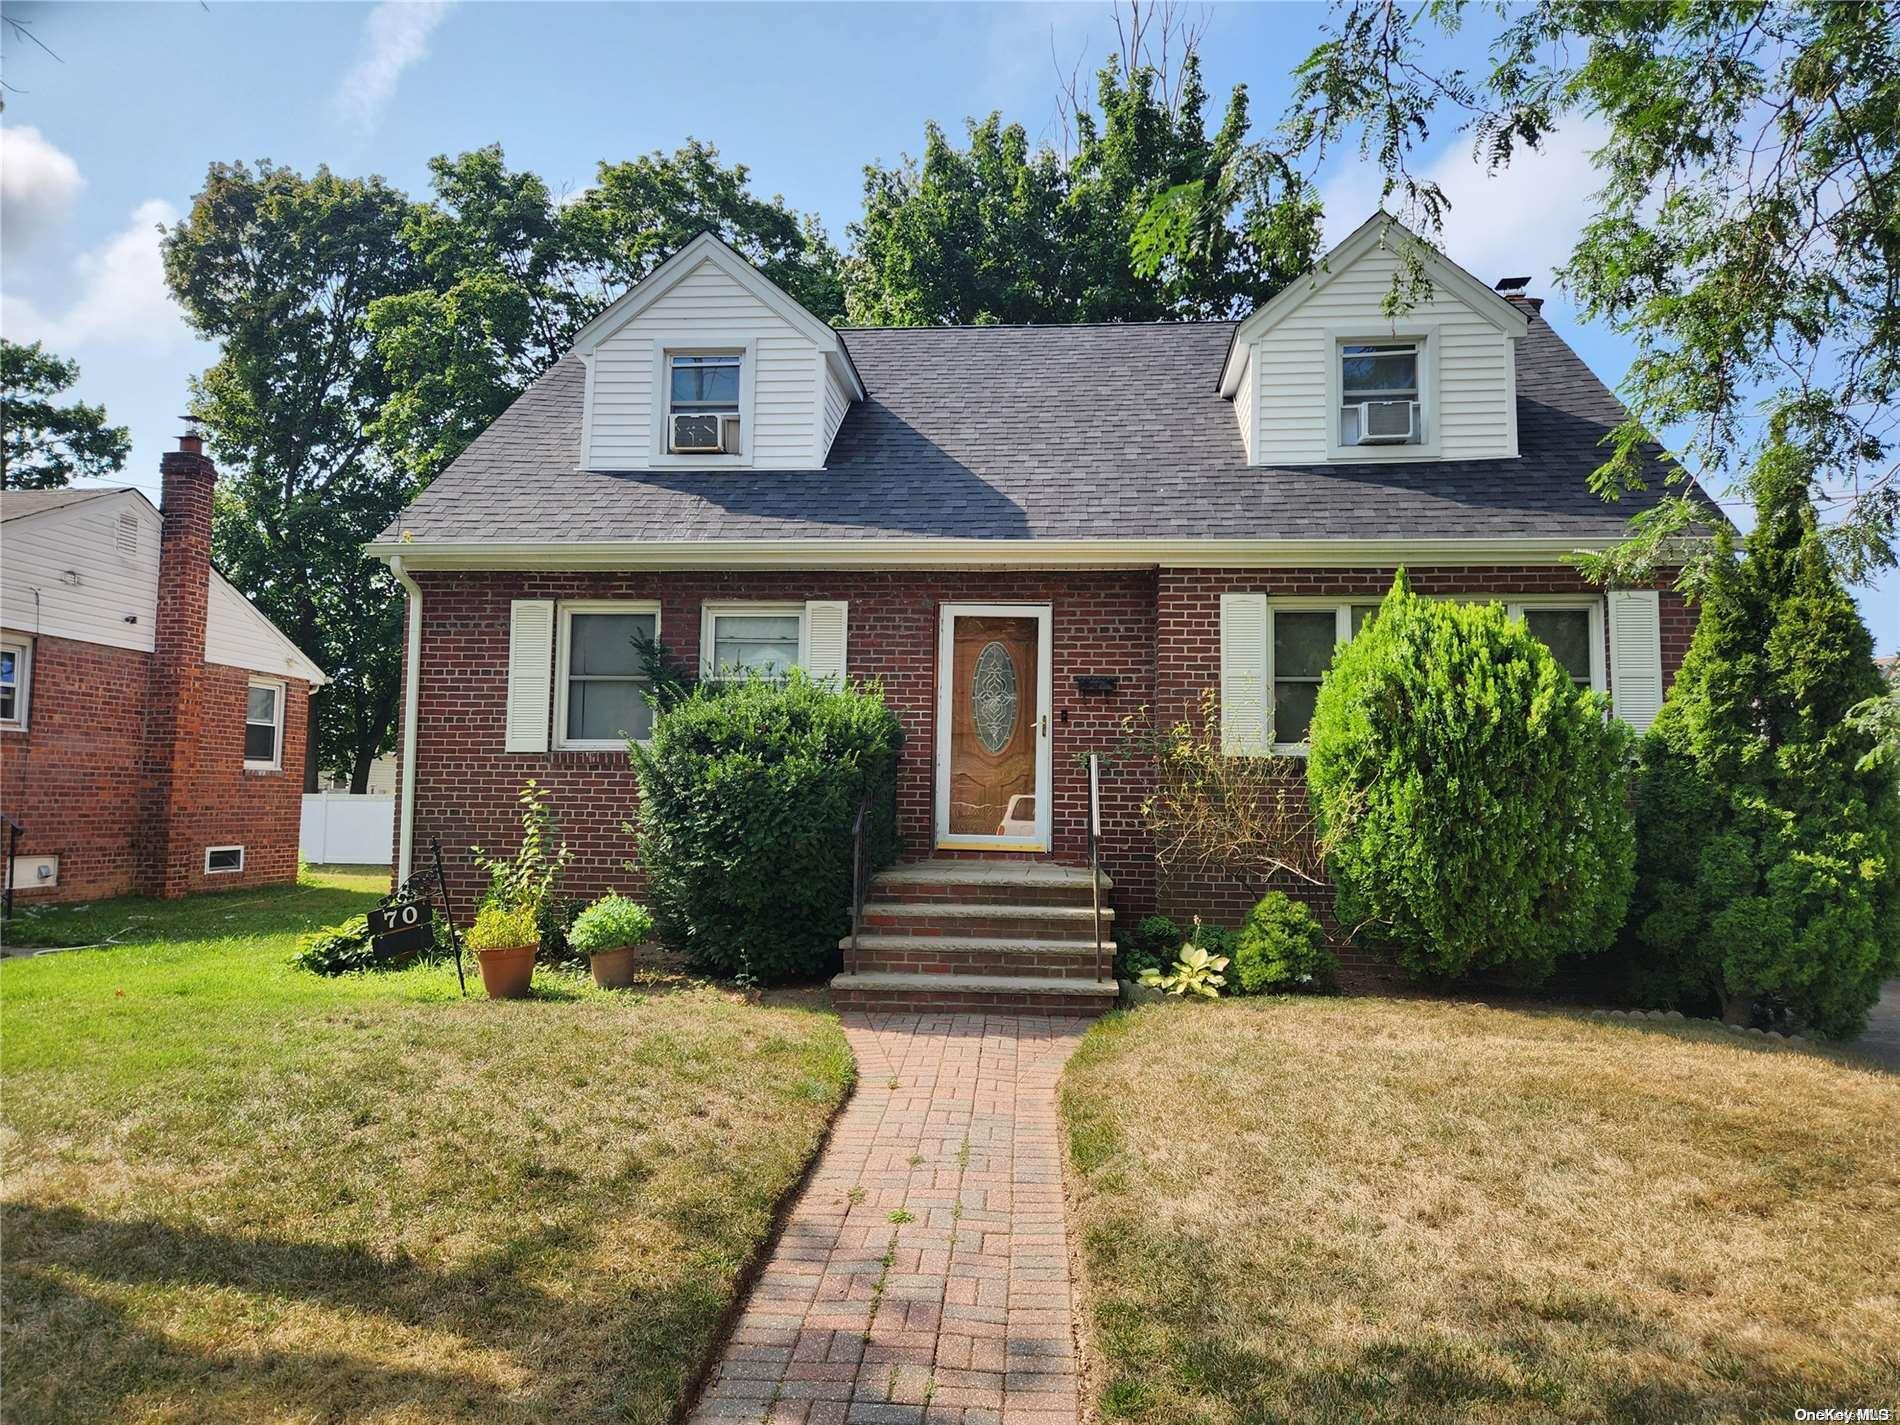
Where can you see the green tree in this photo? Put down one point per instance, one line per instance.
(1769, 822)
(1477, 799)
(281, 270)
(45, 444)
(1746, 236)
(1000, 232)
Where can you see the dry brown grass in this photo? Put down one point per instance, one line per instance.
(1375, 1210)
(237, 1192)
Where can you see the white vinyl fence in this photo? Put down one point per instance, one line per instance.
(349, 830)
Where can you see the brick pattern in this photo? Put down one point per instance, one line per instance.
(960, 1311)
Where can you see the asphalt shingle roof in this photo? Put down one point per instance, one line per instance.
(1071, 432)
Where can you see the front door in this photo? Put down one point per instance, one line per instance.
(993, 727)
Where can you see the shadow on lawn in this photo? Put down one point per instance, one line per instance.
(74, 1352)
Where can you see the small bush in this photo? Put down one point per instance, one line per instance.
(747, 799)
(610, 923)
(499, 927)
(1195, 973)
(339, 950)
(1148, 947)
(1479, 800)
(1281, 949)
(532, 877)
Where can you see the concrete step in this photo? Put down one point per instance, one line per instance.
(1012, 958)
(983, 918)
(955, 994)
(985, 882)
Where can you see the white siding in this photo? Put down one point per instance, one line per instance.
(837, 402)
(1474, 387)
(1244, 404)
(707, 307)
(87, 586)
(238, 636)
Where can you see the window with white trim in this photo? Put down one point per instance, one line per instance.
(1302, 636)
(602, 684)
(1379, 394)
(1572, 630)
(263, 726)
(750, 640)
(702, 402)
(223, 858)
(16, 666)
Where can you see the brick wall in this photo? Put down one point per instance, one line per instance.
(1101, 623)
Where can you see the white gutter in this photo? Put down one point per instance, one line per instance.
(930, 553)
(411, 694)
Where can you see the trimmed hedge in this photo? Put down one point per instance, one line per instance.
(1282, 949)
(1480, 800)
(748, 793)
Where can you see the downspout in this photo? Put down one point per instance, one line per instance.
(411, 693)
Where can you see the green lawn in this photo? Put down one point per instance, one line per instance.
(1406, 1211)
(237, 1191)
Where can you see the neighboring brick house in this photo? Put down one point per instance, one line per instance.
(1024, 533)
(151, 720)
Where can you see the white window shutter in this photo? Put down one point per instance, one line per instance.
(1636, 681)
(530, 674)
(1243, 674)
(826, 621)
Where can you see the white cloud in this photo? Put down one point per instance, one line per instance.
(38, 183)
(1522, 220)
(395, 36)
(122, 300)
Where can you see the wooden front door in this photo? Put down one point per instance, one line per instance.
(993, 726)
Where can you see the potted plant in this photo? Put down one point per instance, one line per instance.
(607, 933)
(504, 939)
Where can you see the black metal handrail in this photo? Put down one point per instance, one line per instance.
(13, 853)
(1095, 854)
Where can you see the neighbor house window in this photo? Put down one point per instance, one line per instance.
(751, 640)
(1379, 394)
(264, 726)
(223, 858)
(16, 658)
(1573, 632)
(702, 408)
(1302, 636)
(603, 685)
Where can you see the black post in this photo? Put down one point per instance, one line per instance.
(13, 851)
(442, 880)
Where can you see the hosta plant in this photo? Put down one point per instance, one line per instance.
(1195, 973)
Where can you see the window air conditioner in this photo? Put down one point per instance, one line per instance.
(1387, 422)
(699, 432)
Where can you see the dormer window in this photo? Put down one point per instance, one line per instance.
(702, 414)
(1379, 394)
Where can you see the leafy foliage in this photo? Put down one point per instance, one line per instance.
(748, 796)
(531, 879)
(1196, 972)
(43, 444)
(1769, 823)
(610, 923)
(1281, 948)
(338, 949)
(500, 926)
(1479, 798)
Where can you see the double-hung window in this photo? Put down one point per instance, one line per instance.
(751, 640)
(1302, 636)
(702, 407)
(263, 726)
(1379, 400)
(1573, 631)
(603, 685)
(15, 660)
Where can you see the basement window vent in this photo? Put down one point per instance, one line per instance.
(223, 858)
(129, 535)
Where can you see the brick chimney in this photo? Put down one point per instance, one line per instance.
(174, 714)
(1511, 289)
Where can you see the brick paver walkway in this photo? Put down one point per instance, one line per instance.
(923, 1278)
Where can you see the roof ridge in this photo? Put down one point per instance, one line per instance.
(1047, 326)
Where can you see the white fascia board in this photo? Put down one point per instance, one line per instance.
(1506, 316)
(917, 553)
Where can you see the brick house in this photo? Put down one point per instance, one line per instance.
(152, 721)
(1025, 533)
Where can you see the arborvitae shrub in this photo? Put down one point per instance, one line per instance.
(1281, 949)
(1479, 798)
(748, 793)
(1768, 837)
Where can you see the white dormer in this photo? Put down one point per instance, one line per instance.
(1319, 374)
(707, 365)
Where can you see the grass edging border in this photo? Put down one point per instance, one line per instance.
(1089, 1378)
(749, 1274)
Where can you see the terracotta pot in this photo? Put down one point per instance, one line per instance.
(613, 969)
(506, 974)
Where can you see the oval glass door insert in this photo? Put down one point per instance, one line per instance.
(994, 698)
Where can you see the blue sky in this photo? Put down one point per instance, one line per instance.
(114, 139)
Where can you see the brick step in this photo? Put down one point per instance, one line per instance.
(957, 994)
(947, 955)
(984, 882)
(938, 918)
